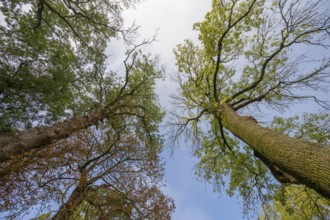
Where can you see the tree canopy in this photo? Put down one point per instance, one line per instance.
(252, 55)
(96, 173)
(75, 134)
(49, 55)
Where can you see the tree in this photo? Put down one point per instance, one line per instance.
(49, 71)
(248, 56)
(73, 132)
(96, 173)
(58, 171)
(84, 22)
(131, 96)
(117, 98)
(48, 50)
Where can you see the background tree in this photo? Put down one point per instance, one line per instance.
(97, 173)
(249, 56)
(131, 95)
(52, 57)
(66, 77)
(74, 132)
(117, 97)
(48, 50)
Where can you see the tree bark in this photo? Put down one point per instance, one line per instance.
(67, 209)
(38, 137)
(308, 163)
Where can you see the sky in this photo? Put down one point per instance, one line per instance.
(194, 200)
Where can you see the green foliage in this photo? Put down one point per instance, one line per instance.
(217, 26)
(296, 202)
(85, 22)
(36, 74)
(245, 56)
(40, 68)
(313, 127)
(51, 57)
(128, 140)
(45, 216)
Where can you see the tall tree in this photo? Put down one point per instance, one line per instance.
(248, 55)
(72, 131)
(96, 173)
(118, 98)
(131, 95)
(56, 69)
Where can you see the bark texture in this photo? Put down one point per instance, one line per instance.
(67, 209)
(299, 161)
(41, 136)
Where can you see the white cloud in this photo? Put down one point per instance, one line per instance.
(173, 19)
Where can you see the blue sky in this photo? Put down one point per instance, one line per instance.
(195, 200)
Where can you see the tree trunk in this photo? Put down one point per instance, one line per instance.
(67, 209)
(38, 137)
(308, 163)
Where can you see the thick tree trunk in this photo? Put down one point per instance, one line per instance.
(38, 137)
(307, 163)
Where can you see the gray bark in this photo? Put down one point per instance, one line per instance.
(39, 137)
